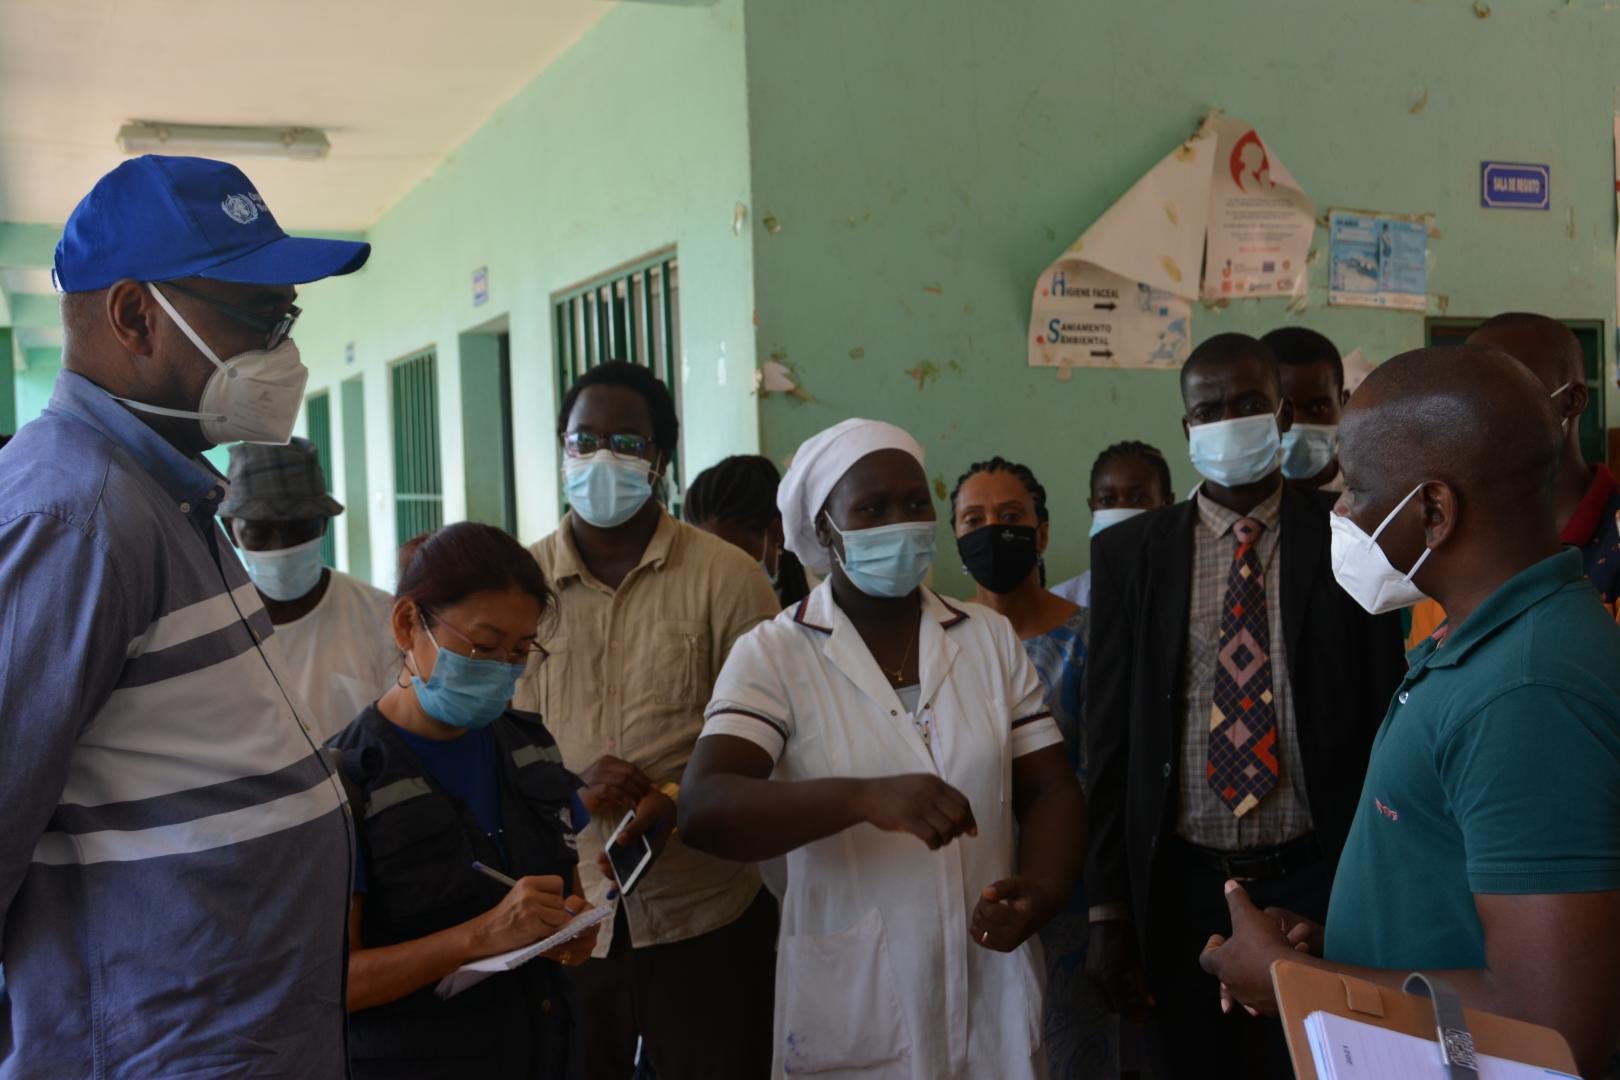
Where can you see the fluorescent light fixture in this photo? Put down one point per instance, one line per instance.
(150, 137)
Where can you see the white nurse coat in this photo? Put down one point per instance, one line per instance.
(876, 976)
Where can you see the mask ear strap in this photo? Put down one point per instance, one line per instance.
(1398, 508)
(185, 327)
(182, 414)
(1412, 573)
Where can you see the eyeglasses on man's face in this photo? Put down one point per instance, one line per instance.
(275, 328)
(584, 444)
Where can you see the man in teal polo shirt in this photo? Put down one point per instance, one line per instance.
(1487, 844)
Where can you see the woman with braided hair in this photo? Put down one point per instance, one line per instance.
(1002, 526)
(736, 501)
(1128, 478)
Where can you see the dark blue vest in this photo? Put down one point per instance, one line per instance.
(419, 843)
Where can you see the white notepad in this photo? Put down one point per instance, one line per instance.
(476, 972)
(1346, 1049)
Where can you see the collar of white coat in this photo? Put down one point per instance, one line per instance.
(819, 611)
(844, 649)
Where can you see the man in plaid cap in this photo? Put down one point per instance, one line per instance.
(332, 627)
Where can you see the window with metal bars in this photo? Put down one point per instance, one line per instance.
(632, 313)
(418, 485)
(318, 414)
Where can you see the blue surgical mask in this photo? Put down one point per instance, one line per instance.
(606, 490)
(1102, 519)
(890, 560)
(464, 692)
(1232, 453)
(1307, 449)
(286, 574)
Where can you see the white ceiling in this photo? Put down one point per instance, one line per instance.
(395, 84)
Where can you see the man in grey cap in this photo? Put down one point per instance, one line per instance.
(332, 628)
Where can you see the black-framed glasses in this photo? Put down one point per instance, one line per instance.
(276, 328)
(584, 444)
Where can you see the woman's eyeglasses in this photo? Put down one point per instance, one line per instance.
(475, 651)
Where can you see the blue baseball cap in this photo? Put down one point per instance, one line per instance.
(158, 218)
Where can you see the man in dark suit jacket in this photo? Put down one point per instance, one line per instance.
(1232, 694)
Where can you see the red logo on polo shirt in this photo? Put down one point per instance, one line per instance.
(1386, 811)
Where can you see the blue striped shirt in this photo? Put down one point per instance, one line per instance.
(175, 861)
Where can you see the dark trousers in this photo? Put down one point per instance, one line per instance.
(703, 1007)
(1187, 1034)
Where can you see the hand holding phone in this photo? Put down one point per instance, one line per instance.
(629, 860)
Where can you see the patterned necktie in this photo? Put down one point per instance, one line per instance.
(1243, 719)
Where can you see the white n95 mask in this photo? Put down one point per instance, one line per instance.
(252, 397)
(1363, 570)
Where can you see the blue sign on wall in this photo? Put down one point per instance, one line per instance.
(1515, 185)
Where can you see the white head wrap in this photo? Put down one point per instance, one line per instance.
(816, 469)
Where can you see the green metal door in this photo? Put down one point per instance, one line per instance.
(319, 417)
(631, 314)
(356, 486)
(418, 485)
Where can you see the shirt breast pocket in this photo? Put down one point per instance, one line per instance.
(681, 674)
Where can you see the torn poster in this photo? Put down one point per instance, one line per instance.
(1378, 260)
(1260, 220)
(1122, 294)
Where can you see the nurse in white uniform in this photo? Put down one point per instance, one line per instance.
(896, 747)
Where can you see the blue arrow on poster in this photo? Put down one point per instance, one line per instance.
(1514, 185)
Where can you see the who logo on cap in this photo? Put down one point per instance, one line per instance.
(157, 218)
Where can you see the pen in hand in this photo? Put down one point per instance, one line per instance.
(494, 874)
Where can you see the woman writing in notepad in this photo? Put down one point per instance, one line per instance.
(443, 775)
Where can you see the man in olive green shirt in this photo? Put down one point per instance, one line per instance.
(1486, 848)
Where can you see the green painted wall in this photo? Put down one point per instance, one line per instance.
(635, 139)
(926, 159)
(36, 381)
(8, 385)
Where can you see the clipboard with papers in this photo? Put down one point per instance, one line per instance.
(1343, 1028)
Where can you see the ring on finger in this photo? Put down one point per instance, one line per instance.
(984, 937)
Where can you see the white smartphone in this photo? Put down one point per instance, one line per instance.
(630, 861)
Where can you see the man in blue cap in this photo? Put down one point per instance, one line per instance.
(174, 870)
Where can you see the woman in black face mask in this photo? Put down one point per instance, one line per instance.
(1001, 524)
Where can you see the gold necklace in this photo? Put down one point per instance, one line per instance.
(898, 675)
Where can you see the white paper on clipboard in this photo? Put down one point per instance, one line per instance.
(1346, 1049)
(468, 975)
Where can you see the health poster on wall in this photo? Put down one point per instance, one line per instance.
(1260, 220)
(1377, 260)
(1122, 294)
